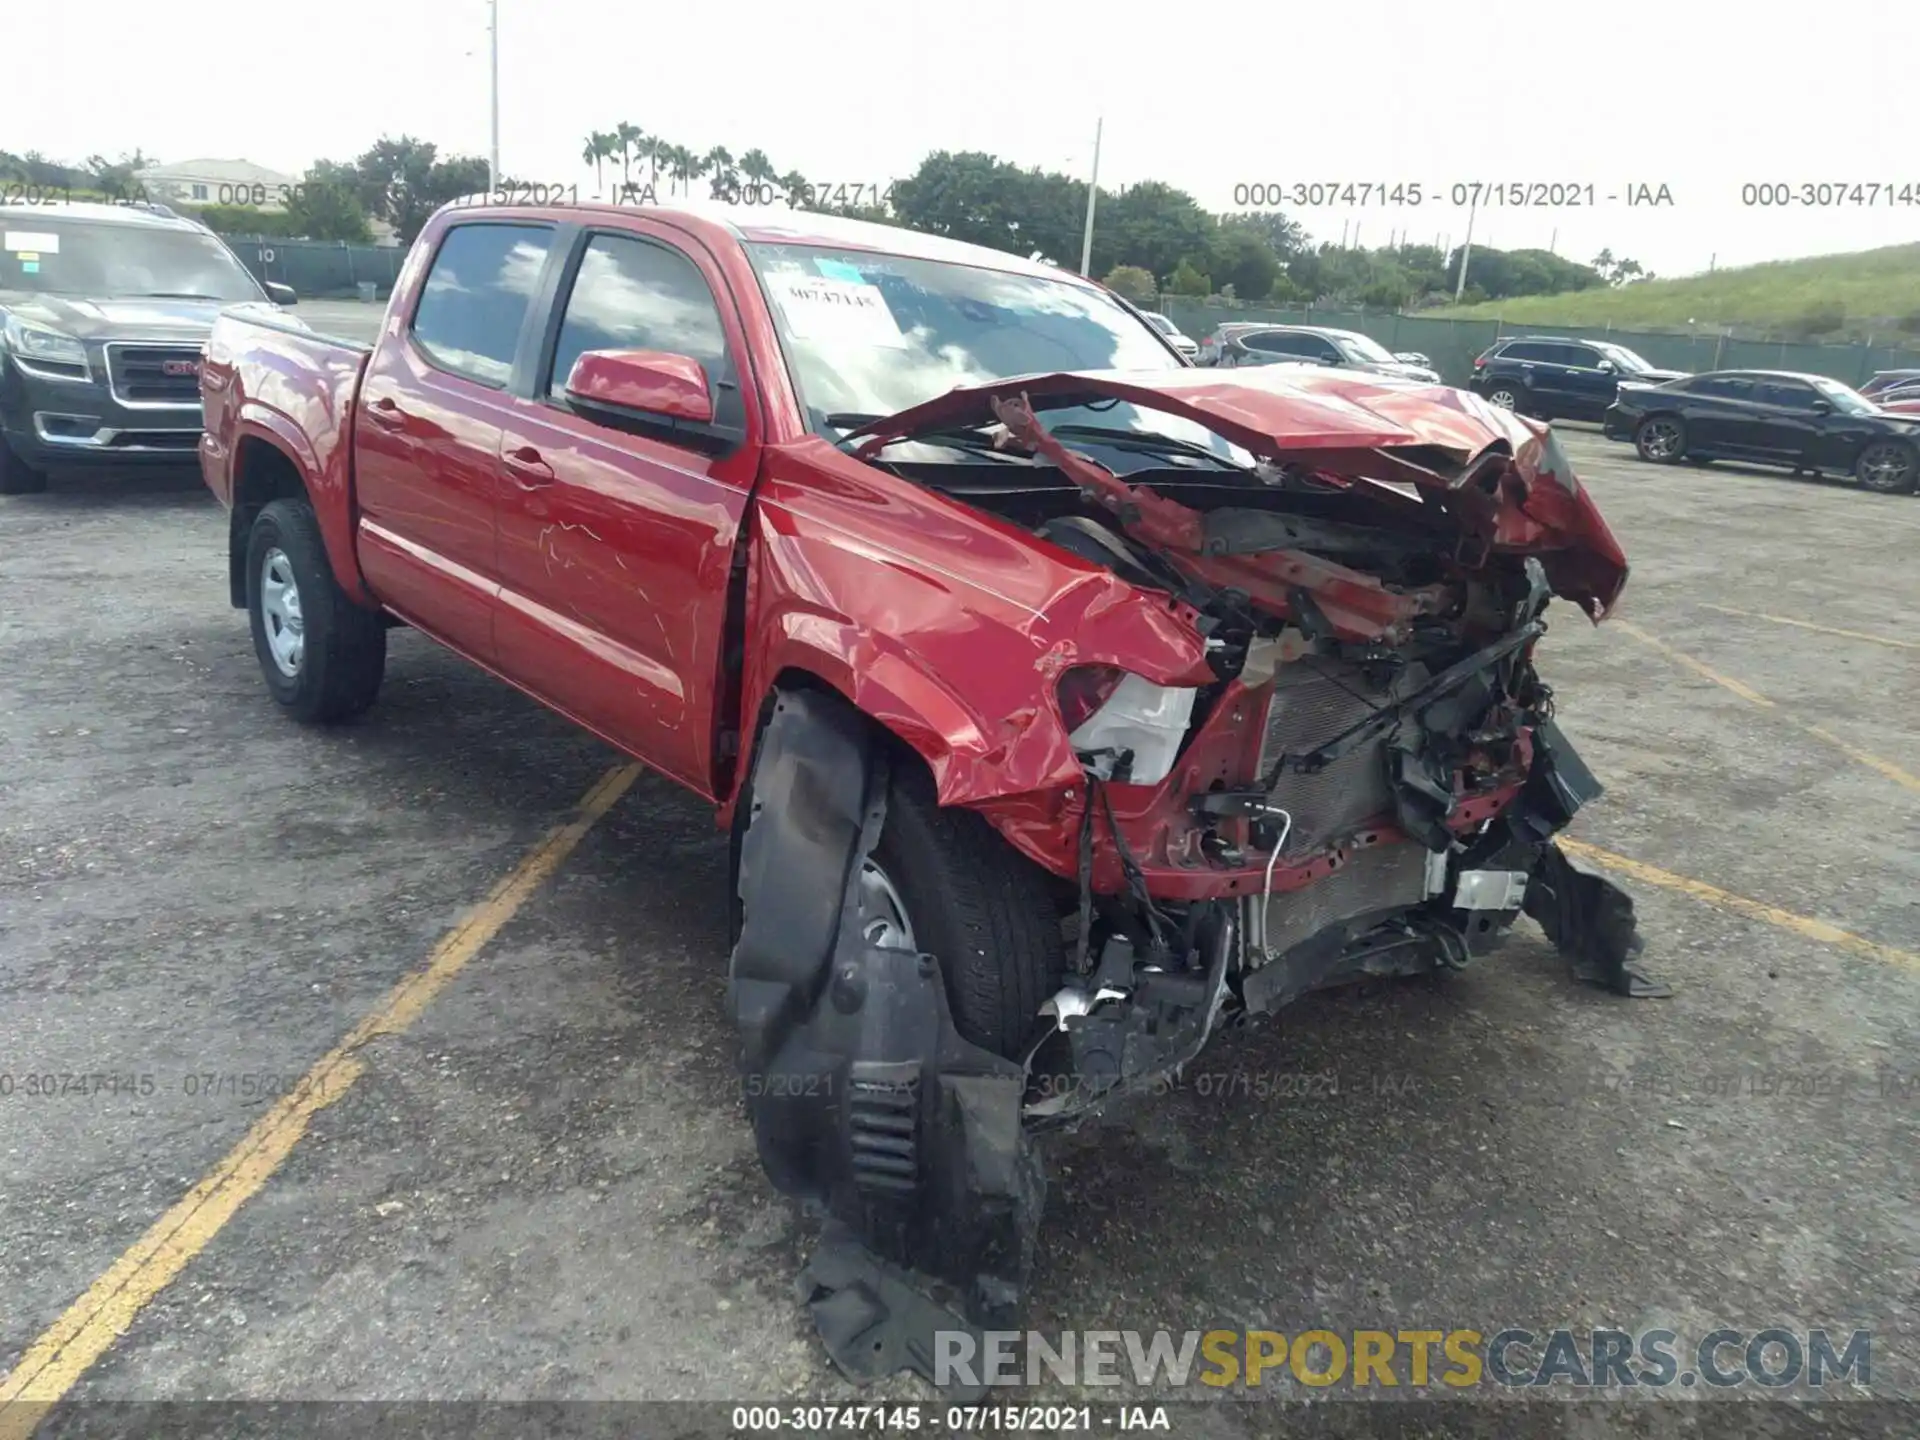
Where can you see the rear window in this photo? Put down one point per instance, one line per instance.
(1536, 350)
(476, 298)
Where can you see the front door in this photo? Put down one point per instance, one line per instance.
(616, 544)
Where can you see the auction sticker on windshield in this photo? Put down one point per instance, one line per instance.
(33, 242)
(838, 310)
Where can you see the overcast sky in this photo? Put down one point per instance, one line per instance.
(1699, 97)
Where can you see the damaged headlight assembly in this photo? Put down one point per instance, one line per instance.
(1141, 724)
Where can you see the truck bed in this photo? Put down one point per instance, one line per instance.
(292, 382)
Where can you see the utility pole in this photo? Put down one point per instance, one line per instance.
(1093, 189)
(493, 46)
(1466, 249)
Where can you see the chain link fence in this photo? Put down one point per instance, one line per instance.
(1452, 345)
(321, 269)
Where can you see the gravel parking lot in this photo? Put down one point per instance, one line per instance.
(543, 1187)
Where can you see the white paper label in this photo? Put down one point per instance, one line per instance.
(821, 309)
(34, 242)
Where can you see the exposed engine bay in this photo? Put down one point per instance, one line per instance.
(1360, 778)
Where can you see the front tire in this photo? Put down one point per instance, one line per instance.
(983, 910)
(1661, 439)
(16, 476)
(321, 654)
(1887, 467)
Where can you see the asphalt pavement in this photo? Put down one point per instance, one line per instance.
(542, 1187)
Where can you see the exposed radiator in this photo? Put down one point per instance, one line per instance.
(1391, 876)
(1314, 700)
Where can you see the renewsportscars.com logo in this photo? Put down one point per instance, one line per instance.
(1457, 1359)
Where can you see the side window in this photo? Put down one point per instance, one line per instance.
(1722, 387)
(1584, 356)
(1326, 350)
(1785, 393)
(634, 294)
(476, 298)
(1527, 350)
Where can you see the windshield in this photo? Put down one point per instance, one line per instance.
(1845, 398)
(1159, 322)
(54, 255)
(871, 335)
(1624, 358)
(1359, 347)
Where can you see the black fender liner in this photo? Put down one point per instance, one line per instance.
(864, 1098)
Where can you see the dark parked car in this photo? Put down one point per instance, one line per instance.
(1251, 344)
(103, 313)
(1809, 422)
(1555, 378)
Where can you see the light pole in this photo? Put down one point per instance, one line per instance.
(1466, 249)
(1093, 189)
(493, 46)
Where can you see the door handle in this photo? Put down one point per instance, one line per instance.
(529, 470)
(384, 412)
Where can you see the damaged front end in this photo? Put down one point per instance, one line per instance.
(1354, 772)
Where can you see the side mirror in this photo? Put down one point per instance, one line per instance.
(1606, 367)
(279, 294)
(1823, 407)
(642, 383)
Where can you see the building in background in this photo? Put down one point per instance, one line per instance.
(217, 182)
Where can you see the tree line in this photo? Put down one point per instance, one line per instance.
(1149, 238)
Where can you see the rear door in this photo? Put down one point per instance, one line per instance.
(617, 542)
(427, 431)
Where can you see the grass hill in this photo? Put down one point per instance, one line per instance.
(1822, 297)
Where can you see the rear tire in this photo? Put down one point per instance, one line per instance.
(1888, 467)
(1661, 439)
(16, 476)
(321, 654)
(1509, 395)
(978, 906)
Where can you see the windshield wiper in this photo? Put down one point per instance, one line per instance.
(170, 295)
(1146, 441)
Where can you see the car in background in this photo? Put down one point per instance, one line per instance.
(104, 310)
(1185, 344)
(1414, 357)
(1900, 400)
(1884, 380)
(1552, 377)
(1811, 423)
(1312, 345)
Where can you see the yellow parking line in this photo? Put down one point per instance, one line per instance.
(55, 1362)
(1809, 625)
(1746, 692)
(1804, 925)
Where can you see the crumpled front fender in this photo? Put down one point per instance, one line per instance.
(946, 625)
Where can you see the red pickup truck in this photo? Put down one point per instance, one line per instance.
(1065, 702)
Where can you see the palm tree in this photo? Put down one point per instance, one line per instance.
(726, 181)
(600, 148)
(794, 182)
(627, 137)
(755, 167)
(653, 150)
(678, 162)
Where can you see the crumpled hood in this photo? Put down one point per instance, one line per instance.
(1434, 436)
